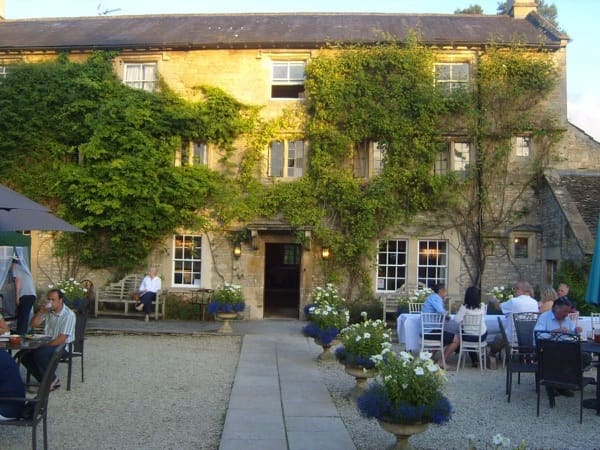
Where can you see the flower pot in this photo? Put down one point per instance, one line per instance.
(361, 375)
(402, 432)
(226, 317)
(327, 354)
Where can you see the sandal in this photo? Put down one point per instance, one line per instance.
(55, 385)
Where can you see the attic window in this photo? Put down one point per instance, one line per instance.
(140, 76)
(452, 77)
(287, 79)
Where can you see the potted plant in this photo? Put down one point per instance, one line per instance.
(407, 395)
(327, 316)
(74, 294)
(226, 302)
(363, 345)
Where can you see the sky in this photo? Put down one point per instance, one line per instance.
(578, 18)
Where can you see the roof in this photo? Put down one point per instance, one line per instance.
(584, 189)
(289, 30)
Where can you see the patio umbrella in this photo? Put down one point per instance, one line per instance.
(30, 219)
(592, 294)
(10, 199)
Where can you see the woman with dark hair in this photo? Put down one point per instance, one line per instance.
(472, 306)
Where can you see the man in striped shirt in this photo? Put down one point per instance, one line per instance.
(59, 323)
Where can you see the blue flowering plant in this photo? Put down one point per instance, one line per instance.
(327, 315)
(365, 343)
(228, 298)
(408, 390)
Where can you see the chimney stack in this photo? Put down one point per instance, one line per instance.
(520, 8)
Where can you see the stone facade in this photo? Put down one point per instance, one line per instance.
(243, 69)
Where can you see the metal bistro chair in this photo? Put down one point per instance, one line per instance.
(471, 325)
(516, 361)
(560, 365)
(76, 348)
(432, 332)
(523, 324)
(38, 405)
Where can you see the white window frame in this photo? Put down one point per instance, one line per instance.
(295, 83)
(392, 264)
(292, 153)
(148, 79)
(368, 159)
(192, 153)
(448, 160)
(2, 71)
(523, 146)
(432, 261)
(187, 260)
(454, 81)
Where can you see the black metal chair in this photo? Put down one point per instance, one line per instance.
(560, 364)
(517, 361)
(76, 348)
(37, 407)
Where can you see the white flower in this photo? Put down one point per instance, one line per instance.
(432, 368)
(404, 356)
(425, 356)
(357, 338)
(367, 335)
(363, 314)
(419, 371)
(505, 442)
(404, 385)
(497, 439)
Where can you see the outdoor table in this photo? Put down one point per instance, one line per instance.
(27, 343)
(593, 403)
(409, 329)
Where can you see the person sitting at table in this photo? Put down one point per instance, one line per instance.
(557, 320)
(11, 385)
(547, 297)
(59, 323)
(150, 285)
(434, 303)
(472, 306)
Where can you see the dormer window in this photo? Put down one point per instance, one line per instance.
(287, 80)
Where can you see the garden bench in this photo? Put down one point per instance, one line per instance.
(122, 293)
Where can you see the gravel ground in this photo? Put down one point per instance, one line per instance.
(141, 392)
(171, 392)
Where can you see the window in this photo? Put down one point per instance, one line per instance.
(192, 154)
(521, 247)
(2, 71)
(368, 159)
(432, 267)
(287, 79)
(451, 77)
(391, 265)
(286, 159)
(187, 260)
(523, 146)
(456, 157)
(291, 254)
(140, 76)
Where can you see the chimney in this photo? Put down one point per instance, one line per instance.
(520, 8)
(2, 10)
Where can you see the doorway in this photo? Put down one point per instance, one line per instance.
(282, 280)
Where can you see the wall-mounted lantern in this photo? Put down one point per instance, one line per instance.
(325, 253)
(237, 249)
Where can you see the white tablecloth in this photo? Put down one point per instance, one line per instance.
(409, 329)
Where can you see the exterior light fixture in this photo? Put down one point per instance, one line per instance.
(325, 254)
(237, 250)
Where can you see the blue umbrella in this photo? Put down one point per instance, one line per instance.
(592, 294)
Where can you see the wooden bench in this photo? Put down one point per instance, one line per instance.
(121, 293)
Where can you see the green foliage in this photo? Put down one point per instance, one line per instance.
(575, 275)
(179, 309)
(102, 154)
(472, 9)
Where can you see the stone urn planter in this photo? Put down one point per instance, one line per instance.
(402, 432)
(226, 317)
(361, 375)
(326, 354)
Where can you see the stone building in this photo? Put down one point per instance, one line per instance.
(260, 59)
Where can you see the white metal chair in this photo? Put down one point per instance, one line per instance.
(472, 325)
(415, 307)
(432, 333)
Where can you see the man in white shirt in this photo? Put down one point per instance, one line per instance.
(148, 290)
(520, 303)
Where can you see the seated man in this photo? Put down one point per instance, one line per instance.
(150, 285)
(59, 322)
(11, 385)
(557, 320)
(434, 303)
